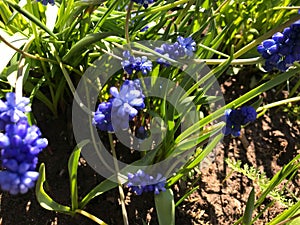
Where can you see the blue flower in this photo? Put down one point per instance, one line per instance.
(136, 63)
(45, 2)
(127, 102)
(248, 113)
(188, 44)
(143, 2)
(122, 107)
(141, 133)
(13, 110)
(283, 49)
(182, 47)
(236, 118)
(141, 182)
(102, 117)
(20, 144)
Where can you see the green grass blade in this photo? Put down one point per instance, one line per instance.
(249, 208)
(165, 207)
(72, 168)
(44, 199)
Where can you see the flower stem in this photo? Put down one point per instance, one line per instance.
(90, 216)
(127, 22)
(121, 192)
(278, 103)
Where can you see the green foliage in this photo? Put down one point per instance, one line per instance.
(48, 49)
(165, 207)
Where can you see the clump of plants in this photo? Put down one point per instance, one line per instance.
(144, 74)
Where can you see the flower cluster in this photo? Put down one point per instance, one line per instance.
(102, 117)
(182, 47)
(141, 182)
(121, 108)
(283, 49)
(143, 2)
(141, 133)
(45, 2)
(235, 118)
(131, 63)
(20, 144)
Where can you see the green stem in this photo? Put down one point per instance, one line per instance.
(278, 103)
(90, 216)
(165, 7)
(249, 61)
(127, 22)
(213, 50)
(121, 192)
(257, 41)
(69, 81)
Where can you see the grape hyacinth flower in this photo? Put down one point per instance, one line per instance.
(20, 146)
(13, 110)
(143, 2)
(102, 117)
(141, 133)
(131, 63)
(141, 182)
(122, 107)
(235, 118)
(181, 48)
(283, 49)
(45, 2)
(126, 103)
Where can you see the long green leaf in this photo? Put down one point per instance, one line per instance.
(249, 208)
(72, 168)
(286, 214)
(165, 207)
(44, 199)
(84, 44)
(101, 188)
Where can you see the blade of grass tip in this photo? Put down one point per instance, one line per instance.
(186, 195)
(72, 169)
(31, 18)
(165, 207)
(249, 208)
(288, 213)
(43, 198)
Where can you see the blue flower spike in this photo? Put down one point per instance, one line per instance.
(137, 64)
(127, 102)
(236, 118)
(283, 49)
(13, 110)
(181, 48)
(122, 107)
(20, 145)
(140, 182)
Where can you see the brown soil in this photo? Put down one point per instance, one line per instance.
(222, 194)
